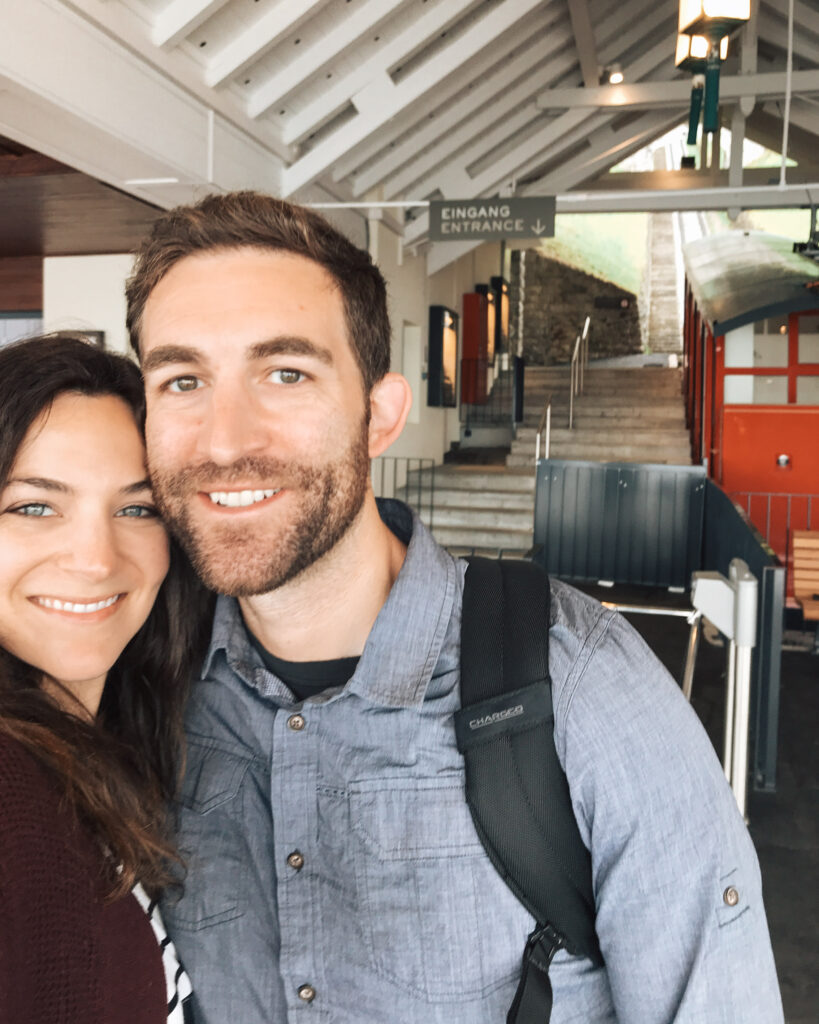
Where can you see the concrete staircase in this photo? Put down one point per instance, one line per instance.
(628, 415)
(481, 509)
(624, 415)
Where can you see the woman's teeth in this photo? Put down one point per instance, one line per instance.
(75, 606)
(239, 499)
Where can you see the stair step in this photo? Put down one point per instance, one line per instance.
(520, 520)
(513, 540)
(466, 478)
(487, 499)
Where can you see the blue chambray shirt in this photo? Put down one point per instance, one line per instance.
(397, 915)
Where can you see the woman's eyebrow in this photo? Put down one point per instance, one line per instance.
(46, 484)
(41, 482)
(136, 488)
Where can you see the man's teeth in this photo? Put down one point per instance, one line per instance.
(75, 606)
(239, 499)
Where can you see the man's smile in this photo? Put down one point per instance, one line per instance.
(241, 499)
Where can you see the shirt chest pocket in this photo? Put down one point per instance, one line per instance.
(210, 839)
(441, 922)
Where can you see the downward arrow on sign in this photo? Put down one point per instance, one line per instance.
(538, 227)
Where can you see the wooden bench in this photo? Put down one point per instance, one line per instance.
(806, 575)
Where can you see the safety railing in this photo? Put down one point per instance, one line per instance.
(776, 516)
(411, 480)
(579, 366)
(545, 424)
(487, 393)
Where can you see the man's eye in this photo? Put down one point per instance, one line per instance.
(33, 508)
(287, 376)
(181, 384)
(138, 512)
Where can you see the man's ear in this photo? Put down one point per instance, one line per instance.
(390, 401)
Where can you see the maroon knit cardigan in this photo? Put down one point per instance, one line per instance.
(66, 956)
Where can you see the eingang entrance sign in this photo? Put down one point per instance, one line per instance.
(488, 220)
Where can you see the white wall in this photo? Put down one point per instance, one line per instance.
(87, 293)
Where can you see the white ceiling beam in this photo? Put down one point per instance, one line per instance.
(177, 66)
(102, 118)
(428, 24)
(511, 109)
(606, 148)
(656, 94)
(584, 41)
(361, 20)
(471, 119)
(527, 155)
(180, 18)
(775, 31)
(441, 254)
(418, 83)
(254, 41)
(807, 17)
(747, 198)
(516, 52)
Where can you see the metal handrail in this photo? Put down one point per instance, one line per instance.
(579, 365)
(545, 421)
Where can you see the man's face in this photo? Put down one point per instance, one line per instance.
(257, 419)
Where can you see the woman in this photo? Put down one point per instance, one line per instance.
(100, 621)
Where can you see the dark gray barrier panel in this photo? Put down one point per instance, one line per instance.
(656, 525)
(621, 521)
(728, 534)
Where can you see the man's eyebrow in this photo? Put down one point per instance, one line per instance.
(168, 354)
(290, 345)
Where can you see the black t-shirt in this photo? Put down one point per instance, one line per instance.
(307, 678)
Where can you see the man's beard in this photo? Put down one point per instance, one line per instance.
(242, 562)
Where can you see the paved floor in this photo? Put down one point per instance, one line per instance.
(784, 825)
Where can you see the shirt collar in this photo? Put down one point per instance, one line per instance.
(405, 642)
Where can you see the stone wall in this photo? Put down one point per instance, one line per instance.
(557, 300)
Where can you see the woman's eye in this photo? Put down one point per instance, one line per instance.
(33, 508)
(287, 376)
(138, 512)
(182, 384)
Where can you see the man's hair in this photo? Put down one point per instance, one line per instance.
(250, 219)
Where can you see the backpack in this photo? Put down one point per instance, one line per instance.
(517, 792)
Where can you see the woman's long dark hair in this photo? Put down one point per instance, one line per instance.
(120, 771)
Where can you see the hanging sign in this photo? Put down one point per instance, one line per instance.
(488, 220)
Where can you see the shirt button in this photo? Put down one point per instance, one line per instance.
(307, 993)
(296, 722)
(296, 860)
(731, 896)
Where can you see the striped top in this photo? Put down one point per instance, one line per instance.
(178, 984)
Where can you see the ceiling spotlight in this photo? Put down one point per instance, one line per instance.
(615, 74)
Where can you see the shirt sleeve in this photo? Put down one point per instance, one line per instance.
(680, 915)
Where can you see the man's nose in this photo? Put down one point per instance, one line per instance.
(91, 550)
(234, 427)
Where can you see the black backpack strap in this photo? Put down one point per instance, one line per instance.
(516, 789)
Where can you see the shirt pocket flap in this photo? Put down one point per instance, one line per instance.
(213, 776)
(414, 819)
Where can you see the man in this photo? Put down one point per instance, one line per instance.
(333, 870)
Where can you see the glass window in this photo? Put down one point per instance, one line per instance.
(750, 389)
(809, 323)
(775, 325)
(744, 347)
(808, 346)
(739, 389)
(807, 390)
(770, 390)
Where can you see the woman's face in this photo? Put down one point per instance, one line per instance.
(82, 550)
